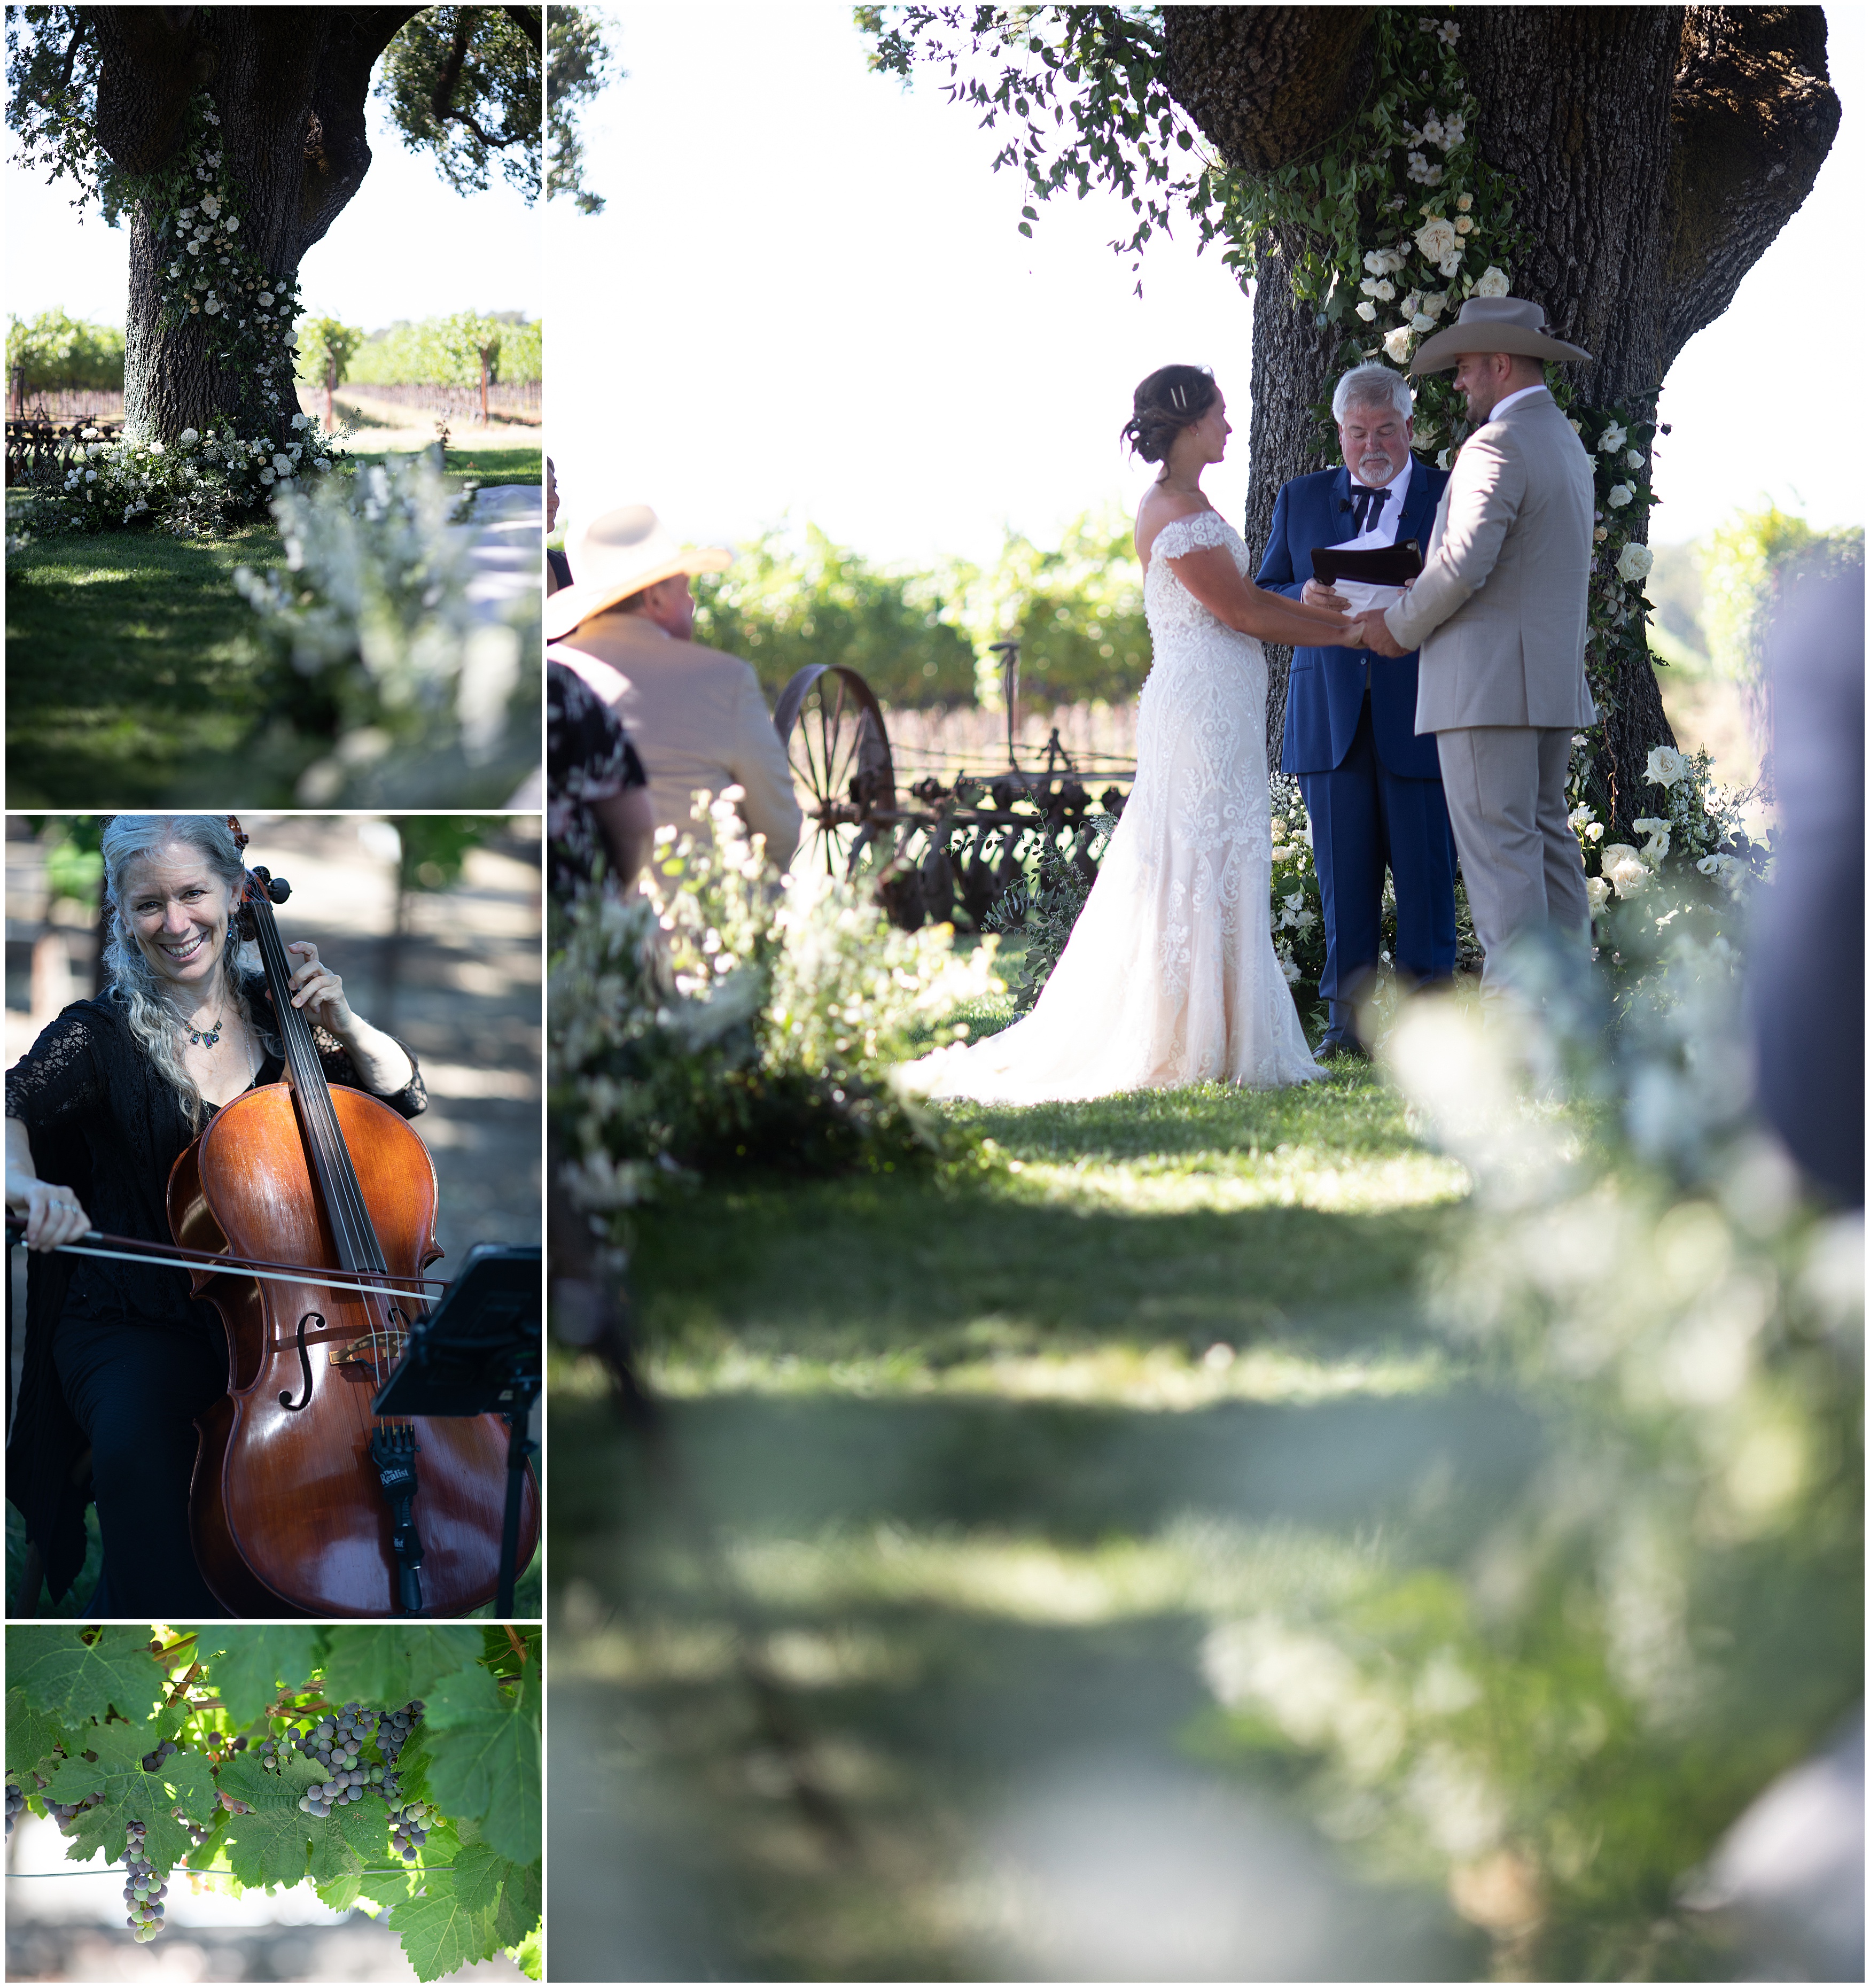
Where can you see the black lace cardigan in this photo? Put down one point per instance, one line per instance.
(105, 1123)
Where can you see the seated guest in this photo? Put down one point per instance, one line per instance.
(597, 816)
(627, 626)
(558, 567)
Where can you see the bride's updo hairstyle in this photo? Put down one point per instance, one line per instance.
(1172, 398)
(151, 1012)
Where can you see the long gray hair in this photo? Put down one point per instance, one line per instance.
(155, 1020)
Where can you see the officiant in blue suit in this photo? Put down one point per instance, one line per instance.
(1373, 788)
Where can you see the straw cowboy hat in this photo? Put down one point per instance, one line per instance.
(618, 553)
(1493, 324)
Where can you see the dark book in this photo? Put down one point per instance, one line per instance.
(1378, 566)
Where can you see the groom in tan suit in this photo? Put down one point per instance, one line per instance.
(1499, 614)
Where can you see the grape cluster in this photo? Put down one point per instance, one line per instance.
(143, 1892)
(15, 1801)
(336, 1742)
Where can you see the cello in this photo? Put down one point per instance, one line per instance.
(304, 1501)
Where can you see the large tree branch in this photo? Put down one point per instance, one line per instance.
(1267, 85)
(1753, 115)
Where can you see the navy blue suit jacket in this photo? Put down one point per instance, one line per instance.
(1324, 693)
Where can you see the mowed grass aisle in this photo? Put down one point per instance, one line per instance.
(883, 1658)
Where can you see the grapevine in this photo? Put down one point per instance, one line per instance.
(397, 1772)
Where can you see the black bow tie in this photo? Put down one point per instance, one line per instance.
(1366, 506)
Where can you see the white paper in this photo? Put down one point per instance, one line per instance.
(1363, 595)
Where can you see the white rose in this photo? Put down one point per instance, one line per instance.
(1397, 343)
(302, 421)
(1464, 225)
(1370, 285)
(1450, 263)
(1597, 891)
(1492, 283)
(1464, 201)
(209, 205)
(194, 248)
(1620, 495)
(188, 438)
(283, 464)
(1611, 440)
(90, 476)
(1445, 459)
(1376, 262)
(1435, 302)
(1421, 321)
(232, 224)
(266, 297)
(1437, 238)
(1625, 869)
(156, 448)
(1385, 292)
(1367, 311)
(321, 462)
(1634, 561)
(266, 476)
(1666, 766)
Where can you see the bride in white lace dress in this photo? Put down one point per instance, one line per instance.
(1170, 977)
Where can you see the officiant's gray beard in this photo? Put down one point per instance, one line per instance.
(1376, 469)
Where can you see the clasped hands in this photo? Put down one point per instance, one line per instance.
(1375, 630)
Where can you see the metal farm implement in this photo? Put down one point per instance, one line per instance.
(939, 852)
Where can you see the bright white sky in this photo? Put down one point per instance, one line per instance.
(406, 247)
(807, 297)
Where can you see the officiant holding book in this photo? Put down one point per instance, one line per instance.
(1373, 788)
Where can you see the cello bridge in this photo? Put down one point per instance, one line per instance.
(371, 1349)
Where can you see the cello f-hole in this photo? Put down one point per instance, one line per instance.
(305, 1361)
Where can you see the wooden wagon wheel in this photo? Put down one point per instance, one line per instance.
(839, 750)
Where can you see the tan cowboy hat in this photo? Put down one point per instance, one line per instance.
(618, 553)
(1493, 324)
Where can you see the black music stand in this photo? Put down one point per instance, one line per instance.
(477, 1353)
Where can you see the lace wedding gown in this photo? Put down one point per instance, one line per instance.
(1169, 977)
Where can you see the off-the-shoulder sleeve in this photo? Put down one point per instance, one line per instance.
(411, 1101)
(1190, 534)
(62, 1072)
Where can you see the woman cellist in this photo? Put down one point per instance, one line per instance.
(118, 1357)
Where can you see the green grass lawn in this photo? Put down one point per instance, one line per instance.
(124, 673)
(484, 465)
(954, 1475)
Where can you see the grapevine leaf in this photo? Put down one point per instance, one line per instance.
(376, 1668)
(487, 1769)
(261, 1659)
(439, 1933)
(30, 1734)
(340, 1893)
(485, 1880)
(61, 1673)
(468, 1694)
(130, 1795)
(271, 1846)
(365, 1826)
(529, 1955)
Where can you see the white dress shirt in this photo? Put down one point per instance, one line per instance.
(1381, 532)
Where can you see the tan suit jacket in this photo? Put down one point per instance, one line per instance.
(1499, 611)
(696, 718)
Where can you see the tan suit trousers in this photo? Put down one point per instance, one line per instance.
(1505, 786)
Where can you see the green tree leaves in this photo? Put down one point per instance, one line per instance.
(52, 350)
(578, 65)
(62, 1673)
(464, 83)
(129, 1793)
(376, 1667)
(249, 1672)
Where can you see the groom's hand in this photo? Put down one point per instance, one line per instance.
(1376, 633)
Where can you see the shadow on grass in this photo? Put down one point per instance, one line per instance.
(124, 660)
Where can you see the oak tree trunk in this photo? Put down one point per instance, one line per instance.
(289, 85)
(1656, 152)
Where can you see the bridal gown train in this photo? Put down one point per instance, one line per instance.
(1169, 977)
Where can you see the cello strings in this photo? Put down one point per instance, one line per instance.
(342, 1196)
